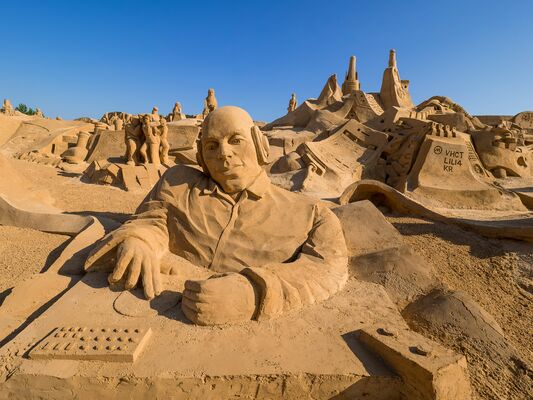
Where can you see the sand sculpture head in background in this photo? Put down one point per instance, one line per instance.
(269, 250)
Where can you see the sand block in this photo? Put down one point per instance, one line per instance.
(443, 163)
(183, 134)
(428, 370)
(366, 229)
(59, 148)
(113, 169)
(142, 177)
(105, 343)
(378, 253)
(107, 144)
(153, 173)
(129, 177)
(448, 173)
(523, 187)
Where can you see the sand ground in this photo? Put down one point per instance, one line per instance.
(24, 252)
(496, 273)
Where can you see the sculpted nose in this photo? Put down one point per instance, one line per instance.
(224, 151)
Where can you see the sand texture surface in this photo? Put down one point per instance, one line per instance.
(497, 275)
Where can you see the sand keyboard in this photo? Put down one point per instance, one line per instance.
(122, 344)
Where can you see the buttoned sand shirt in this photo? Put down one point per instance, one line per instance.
(290, 246)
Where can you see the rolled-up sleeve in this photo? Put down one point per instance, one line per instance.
(320, 270)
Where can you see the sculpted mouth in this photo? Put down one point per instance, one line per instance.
(228, 169)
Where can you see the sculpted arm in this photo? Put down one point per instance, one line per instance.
(136, 248)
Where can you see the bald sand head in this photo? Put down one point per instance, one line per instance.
(228, 149)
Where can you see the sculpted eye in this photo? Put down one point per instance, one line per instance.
(235, 140)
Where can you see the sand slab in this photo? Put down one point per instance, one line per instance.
(311, 352)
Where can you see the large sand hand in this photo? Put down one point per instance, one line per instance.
(219, 300)
(136, 259)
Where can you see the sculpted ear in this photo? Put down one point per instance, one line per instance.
(262, 147)
(200, 157)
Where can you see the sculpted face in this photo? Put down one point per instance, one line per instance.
(228, 149)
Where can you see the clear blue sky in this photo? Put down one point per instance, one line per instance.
(82, 58)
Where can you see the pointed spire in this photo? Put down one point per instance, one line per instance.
(350, 81)
(351, 69)
(331, 91)
(392, 58)
(394, 92)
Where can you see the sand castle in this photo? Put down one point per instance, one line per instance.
(261, 261)
(351, 82)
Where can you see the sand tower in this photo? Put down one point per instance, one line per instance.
(351, 83)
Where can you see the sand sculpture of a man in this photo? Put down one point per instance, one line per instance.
(176, 114)
(164, 146)
(147, 140)
(152, 139)
(210, 102)
(118, 123)
(155, 114)
(134, 138)
(293, 103)
(270, 250)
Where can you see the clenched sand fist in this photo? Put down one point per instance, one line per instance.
(219, 299)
